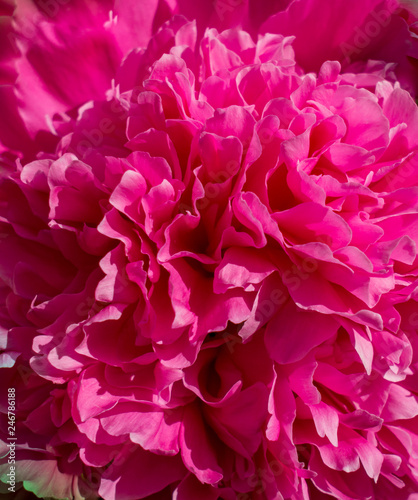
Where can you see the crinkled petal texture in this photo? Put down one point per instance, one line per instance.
(49, 46)
(208, 271)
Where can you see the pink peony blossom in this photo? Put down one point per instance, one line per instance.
(208, 247)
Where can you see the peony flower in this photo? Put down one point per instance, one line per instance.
(208, 253)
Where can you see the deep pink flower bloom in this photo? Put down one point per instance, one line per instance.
(208, 250)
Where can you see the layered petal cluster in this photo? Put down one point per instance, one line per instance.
(208, 253)
(48, 47)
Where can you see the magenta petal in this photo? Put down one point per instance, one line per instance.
(196, 449)
(293, 332)
(120, 482)
(153, 430)
(130, 16)
(242, 434)
(241, 268)
(326, 421)
(61, 86)
(320, 223)
(400, 404)
(190, 487)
